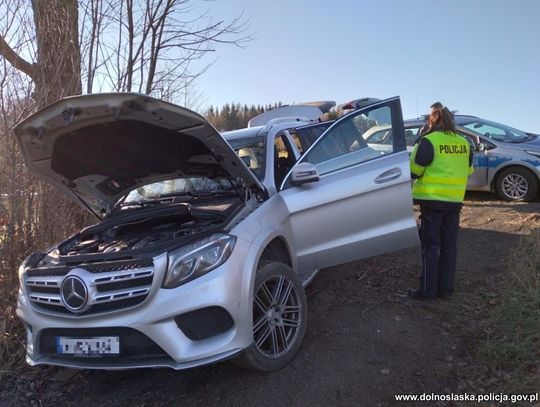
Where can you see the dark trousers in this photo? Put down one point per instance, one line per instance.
(439, 225)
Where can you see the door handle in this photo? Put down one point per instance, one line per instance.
(389, 175)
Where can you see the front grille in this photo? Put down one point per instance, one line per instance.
(95, 309)
(110, 286)
(123, 284)
(118, 265)
(204, 323)
(133, 344)
(91, 267)
(48, 272)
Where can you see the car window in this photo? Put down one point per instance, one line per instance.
(496, 131)
(283, 158)
(178, 186)
(252, 152)
(305, 136)
(411, 135)
(297, 142)
(385, 137)
(344, 144)
(469, 139)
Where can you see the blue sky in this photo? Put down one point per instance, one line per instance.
(480, 57)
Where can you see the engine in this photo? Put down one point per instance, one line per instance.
(141, 233)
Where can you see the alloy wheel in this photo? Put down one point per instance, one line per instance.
(277, 316)
(515, 186)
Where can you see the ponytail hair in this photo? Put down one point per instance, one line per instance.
(441, 119)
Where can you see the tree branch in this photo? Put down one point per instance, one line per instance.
(15, 59)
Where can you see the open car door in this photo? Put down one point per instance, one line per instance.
(361, 204)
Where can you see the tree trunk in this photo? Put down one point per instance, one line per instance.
(57, 72)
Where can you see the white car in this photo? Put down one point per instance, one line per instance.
(199, 255)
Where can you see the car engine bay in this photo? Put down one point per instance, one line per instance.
(148, 228)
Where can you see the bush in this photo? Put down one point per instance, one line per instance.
(12, 335)
(32, 216)
(513, 342)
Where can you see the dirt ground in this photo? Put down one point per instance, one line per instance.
(366, 341)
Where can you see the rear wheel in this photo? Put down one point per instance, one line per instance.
(279, 318)
(517, 184)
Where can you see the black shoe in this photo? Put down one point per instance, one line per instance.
(445, 295)
(417, 295)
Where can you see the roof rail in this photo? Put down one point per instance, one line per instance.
(278, 120)
(311, 111)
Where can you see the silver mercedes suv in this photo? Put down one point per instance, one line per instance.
(203, 246)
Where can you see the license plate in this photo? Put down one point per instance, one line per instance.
(94, 346)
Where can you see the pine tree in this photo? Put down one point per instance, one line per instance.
(233, 116)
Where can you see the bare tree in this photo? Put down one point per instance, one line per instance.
(147, 46)
(54, 50)
(151, 46)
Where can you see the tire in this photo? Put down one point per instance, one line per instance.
(517, 184)
(279, 324)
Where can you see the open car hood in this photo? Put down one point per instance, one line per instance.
(98, 147)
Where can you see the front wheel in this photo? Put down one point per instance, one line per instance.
(279, 318)
(517, 184)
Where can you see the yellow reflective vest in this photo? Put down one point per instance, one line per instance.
(445, 178)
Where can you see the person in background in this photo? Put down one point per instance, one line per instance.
(440, 162)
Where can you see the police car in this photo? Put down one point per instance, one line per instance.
(506, 160)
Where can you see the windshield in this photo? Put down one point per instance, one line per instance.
(496, 131)
(251, 152)
(177, 187)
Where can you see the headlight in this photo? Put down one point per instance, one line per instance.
(535, 153)
(198, 258)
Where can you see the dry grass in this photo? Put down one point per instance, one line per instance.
(514, 324)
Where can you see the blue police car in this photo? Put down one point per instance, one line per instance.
(506, 160)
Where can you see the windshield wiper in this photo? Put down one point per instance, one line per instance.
(209, 192)
(163, 198)
(140, 204)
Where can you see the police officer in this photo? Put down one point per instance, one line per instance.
(441, 162)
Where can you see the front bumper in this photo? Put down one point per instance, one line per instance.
(153, 322)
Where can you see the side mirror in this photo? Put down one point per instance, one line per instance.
(304, 173)
(480, 147)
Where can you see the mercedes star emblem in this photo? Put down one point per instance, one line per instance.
(74, 293)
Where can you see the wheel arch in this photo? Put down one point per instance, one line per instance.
(277, 250)
(512, 164)
(267, 247)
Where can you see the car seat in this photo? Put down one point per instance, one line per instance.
(282, 165)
